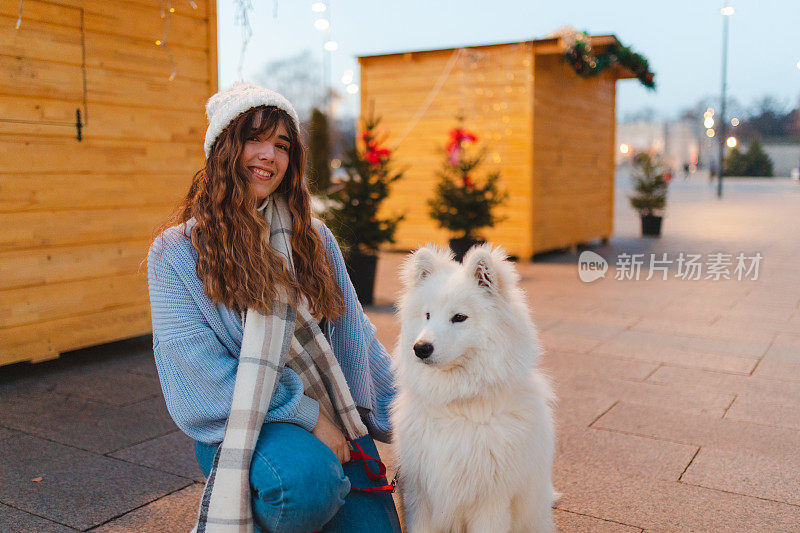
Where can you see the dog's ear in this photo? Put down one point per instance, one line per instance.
(490, 268)
(422, 263)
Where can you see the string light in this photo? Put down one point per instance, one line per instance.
(243, 10)
(322, 24)
(486, 100)
(331, 46)
(167, 10)
(19, 21)
(318, 7)
(352, 88)
(166, 13)
(454, 56)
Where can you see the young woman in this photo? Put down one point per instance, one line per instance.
(244, 248)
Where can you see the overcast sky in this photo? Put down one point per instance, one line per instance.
(681, 38)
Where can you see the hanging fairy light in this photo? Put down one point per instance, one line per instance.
(331, 46)
(319, 7)
(243, 10)
(19, 19)
(166, 13)
(322, 24)
(352, 89)
(347, 77)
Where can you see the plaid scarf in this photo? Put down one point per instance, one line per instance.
(288, 336)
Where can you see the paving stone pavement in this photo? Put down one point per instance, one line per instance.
(679, 400)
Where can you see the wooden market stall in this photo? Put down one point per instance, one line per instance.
(549, 132)
(96, 146)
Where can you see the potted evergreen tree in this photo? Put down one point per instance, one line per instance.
(650, 180)
(462, 204)
(355, 201)
(754, 163)
(319, 152)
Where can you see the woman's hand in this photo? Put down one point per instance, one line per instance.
(329, 434)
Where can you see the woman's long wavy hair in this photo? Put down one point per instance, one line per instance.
(235, 263)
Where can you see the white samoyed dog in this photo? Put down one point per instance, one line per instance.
(472, 420)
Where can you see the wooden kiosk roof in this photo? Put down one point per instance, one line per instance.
(545, 46)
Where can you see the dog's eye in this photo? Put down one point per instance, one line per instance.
(458, 317)
(427, 316)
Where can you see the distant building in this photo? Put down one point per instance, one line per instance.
(785, 156)
(679, 142)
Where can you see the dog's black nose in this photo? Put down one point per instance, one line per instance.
(423, 349)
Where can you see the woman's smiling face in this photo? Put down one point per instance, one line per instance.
(266, 158)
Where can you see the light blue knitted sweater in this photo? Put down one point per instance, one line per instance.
(196, 345)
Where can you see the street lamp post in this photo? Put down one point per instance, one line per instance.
(323, 24)
(727, 11)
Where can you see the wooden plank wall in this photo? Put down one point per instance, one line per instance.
(77, 218)
(490, 86)
(573, 155)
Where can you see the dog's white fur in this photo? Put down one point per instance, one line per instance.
(472, 423)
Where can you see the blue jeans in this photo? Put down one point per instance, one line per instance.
(298, 485)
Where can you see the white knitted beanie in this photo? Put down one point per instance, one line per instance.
(228, 104)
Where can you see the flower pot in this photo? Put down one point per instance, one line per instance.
(361, 268)
(460, 246)
(651, 225)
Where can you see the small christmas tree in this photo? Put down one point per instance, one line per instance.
(319, 148)
(735, 163)
(754, 162)
(462, 205)
(353, 217)
(650, 180)
(758, 162)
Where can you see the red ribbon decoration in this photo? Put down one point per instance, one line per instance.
(458, 136)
